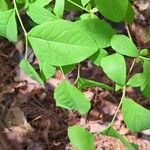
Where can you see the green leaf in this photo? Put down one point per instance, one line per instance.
(146, 71)
(144, 52)
(20, 1)
(47, 70)
(114, 10)
(3, 5)
(90, 83)
(8, 26)
(136, 117)
(115, 68)
(99, 30)
(129, 18)
(113, 133)
(29, 70)
(42, 3)
(59, 8)
(69, 97)
(40, 16)
(61, 43)
(96, 57)
(68, 68)
(84, 2)
(137, 80)
(80, 138)
(123, 45)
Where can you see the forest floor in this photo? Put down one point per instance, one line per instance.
(29, 119)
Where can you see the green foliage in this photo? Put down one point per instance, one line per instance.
(146, 71)
(129, 18)
(8, 26)
(100, 31)
(113, 133)
(113, 10)
(59, 8)
(69, 97)
(58, 43)
(80, 138)
(89, 83)
(84, 2)
(3, 5)
(115, 68)
(40, 16)
(123, 45)
(96, 57)
(137, 80)
(29, 70)
(136, 117)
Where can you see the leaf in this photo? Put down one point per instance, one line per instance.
(68, 68)
(8, 26)
(29, 70)
(99, 30)
(42, 3)
(114, 10)
(40, 16)
(84, 2)
(146, 71)
(3, 5)
(129, 18)
(136, 117)
(113, 133)
(115, 68)
(20, 1)
(137, 80)
(47, 70)
(59, 7)
(96, 57)
(123, 45)
(80, 138)
(61, 43)
(144, 52)
(69, 97)
(90, 83)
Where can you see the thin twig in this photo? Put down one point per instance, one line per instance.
(23, 28)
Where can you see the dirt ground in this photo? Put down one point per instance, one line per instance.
(29, 119)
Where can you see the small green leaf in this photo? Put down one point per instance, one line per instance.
(137, 80)
(115, 10)
(29, 70)
(115, 68)
(84, 2)
(80, 138)
(42, 3)
(47, 70)
(123, 45)
(129, 18)
(96, 57)
(40, 16)
(8, 25)
(146, 71)
(68, 68)
(59, 8)
(3, 5)
(136, 117)
(113, 133)
(69, 97)
(90, 83)
(144, 52)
